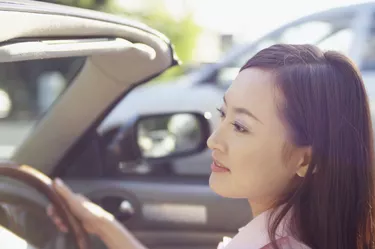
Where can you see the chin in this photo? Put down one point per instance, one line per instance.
(220, 183)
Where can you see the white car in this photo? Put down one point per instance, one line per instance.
(350, 30)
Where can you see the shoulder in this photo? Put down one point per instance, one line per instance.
(287, 242)
(224, 242)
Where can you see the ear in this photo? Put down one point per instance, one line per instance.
(304, 162)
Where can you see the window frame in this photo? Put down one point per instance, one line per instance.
(275, 36)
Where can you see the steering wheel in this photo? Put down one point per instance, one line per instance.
(43, 184)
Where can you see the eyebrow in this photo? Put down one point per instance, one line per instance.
(241, 110)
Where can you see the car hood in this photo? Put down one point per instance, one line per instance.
(147, 99)
(175, 96)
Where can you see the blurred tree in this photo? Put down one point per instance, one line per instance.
(183, 31)
(86, 4)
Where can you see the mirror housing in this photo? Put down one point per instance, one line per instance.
(159, 137)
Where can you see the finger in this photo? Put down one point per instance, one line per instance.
(63, 229)
(74, 201)
(62, 189)
(50, 211)
(81, 198)
(57, 221)
(67, 194)
(60, 225)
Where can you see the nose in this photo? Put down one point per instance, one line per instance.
(214, 142)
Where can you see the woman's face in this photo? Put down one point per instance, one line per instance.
(250, 142)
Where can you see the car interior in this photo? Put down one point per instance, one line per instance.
(118, 55)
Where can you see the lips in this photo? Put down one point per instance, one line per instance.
(217, 166)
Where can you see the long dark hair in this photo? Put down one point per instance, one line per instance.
(326, 107)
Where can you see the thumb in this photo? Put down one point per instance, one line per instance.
(82, 207)
(65, 192)
(74, 201)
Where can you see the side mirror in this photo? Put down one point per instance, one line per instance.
(158, 137)
(171, 135)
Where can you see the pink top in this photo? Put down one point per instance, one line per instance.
(255, 236)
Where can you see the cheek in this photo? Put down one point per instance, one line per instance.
(256, 171)
(261, 170)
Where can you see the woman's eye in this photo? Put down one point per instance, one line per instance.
(239, 128)
(221, 112)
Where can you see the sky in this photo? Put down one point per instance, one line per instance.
(256, 17)
(239, 17)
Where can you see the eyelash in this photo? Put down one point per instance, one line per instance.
(237, 127)
(221, 112)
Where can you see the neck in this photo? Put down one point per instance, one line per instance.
(259, 207)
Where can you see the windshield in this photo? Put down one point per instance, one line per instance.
(27, 91)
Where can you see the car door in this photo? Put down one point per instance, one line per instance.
(61, 71)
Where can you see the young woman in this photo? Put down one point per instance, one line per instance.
(296, 141)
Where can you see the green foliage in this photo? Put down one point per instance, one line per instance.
(182, 32)
(86, 4)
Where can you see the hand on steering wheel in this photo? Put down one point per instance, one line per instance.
(89, 214)
(43, 184)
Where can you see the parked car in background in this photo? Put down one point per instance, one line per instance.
(350, 30)
(88, 135)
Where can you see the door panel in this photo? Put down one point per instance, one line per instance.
(170, 215)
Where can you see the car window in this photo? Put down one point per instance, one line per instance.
(27, 91)
(334, 33)
(368, 62)
(324, 33)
